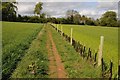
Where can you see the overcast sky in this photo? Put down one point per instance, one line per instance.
(58, 8)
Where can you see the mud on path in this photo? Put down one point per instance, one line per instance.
(56, 68)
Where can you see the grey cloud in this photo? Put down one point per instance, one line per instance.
(108, 5)
(58, 9)
(25, 7)
(66, 0)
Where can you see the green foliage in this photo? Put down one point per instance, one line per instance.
(77, 18)
(34, 19)
(42, 15)
(38, 8)
(109, 19)
(73, 17)
(16, 40)
(9, 11)
(119, 23)
(89, 21)
(97, 22)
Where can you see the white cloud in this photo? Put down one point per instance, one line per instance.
(88, 12)
(108, 0)
(58, 9)
(68, 0)
(107, 5)
(54, 0)
(94, 13)
(25, 7)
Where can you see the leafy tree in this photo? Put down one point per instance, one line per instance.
(9, 11)
(34, 19)
(70, 14)
(61, 20)
(25, 18)
(109, 19)
(19, 18)
(89, 21)
(118, 23)
(83, 19)
(42, 15)
(77, 18)
(38, 8)
(73, 17)
(97, 22)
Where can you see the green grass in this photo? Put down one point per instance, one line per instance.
(75, 65)
(37, 53)
(16, 39)
(21, 49)
(90, 37)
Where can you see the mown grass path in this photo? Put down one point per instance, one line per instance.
(56, 67)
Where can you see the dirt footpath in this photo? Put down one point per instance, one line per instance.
(56, 68)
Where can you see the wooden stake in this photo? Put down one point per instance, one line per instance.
(71, 35)
(111, 66)
(100, 50)
(61, 30)
(57, 28)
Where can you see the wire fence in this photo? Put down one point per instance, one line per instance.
(86, 53)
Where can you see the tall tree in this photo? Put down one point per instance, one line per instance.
(109, 18)
(118, 23)
(42, 15)
(38, 8)
(77, 18)
(83, 19)
(73, 16)
(97, 22)
(90, 21)
(9, 11)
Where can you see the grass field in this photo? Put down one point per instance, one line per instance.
(36, 52)
(16, 40)
(90, 37)
(24, 45)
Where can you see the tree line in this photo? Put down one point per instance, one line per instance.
(109, 18)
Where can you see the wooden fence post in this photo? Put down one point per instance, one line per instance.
(100, 50)
(61, 30)
(57, 28)
(95, 57)
(102, 67)
(111, 65)
(119, 70)
(71, 35)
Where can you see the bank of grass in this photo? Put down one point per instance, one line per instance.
(75, 65)
(36, 54)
